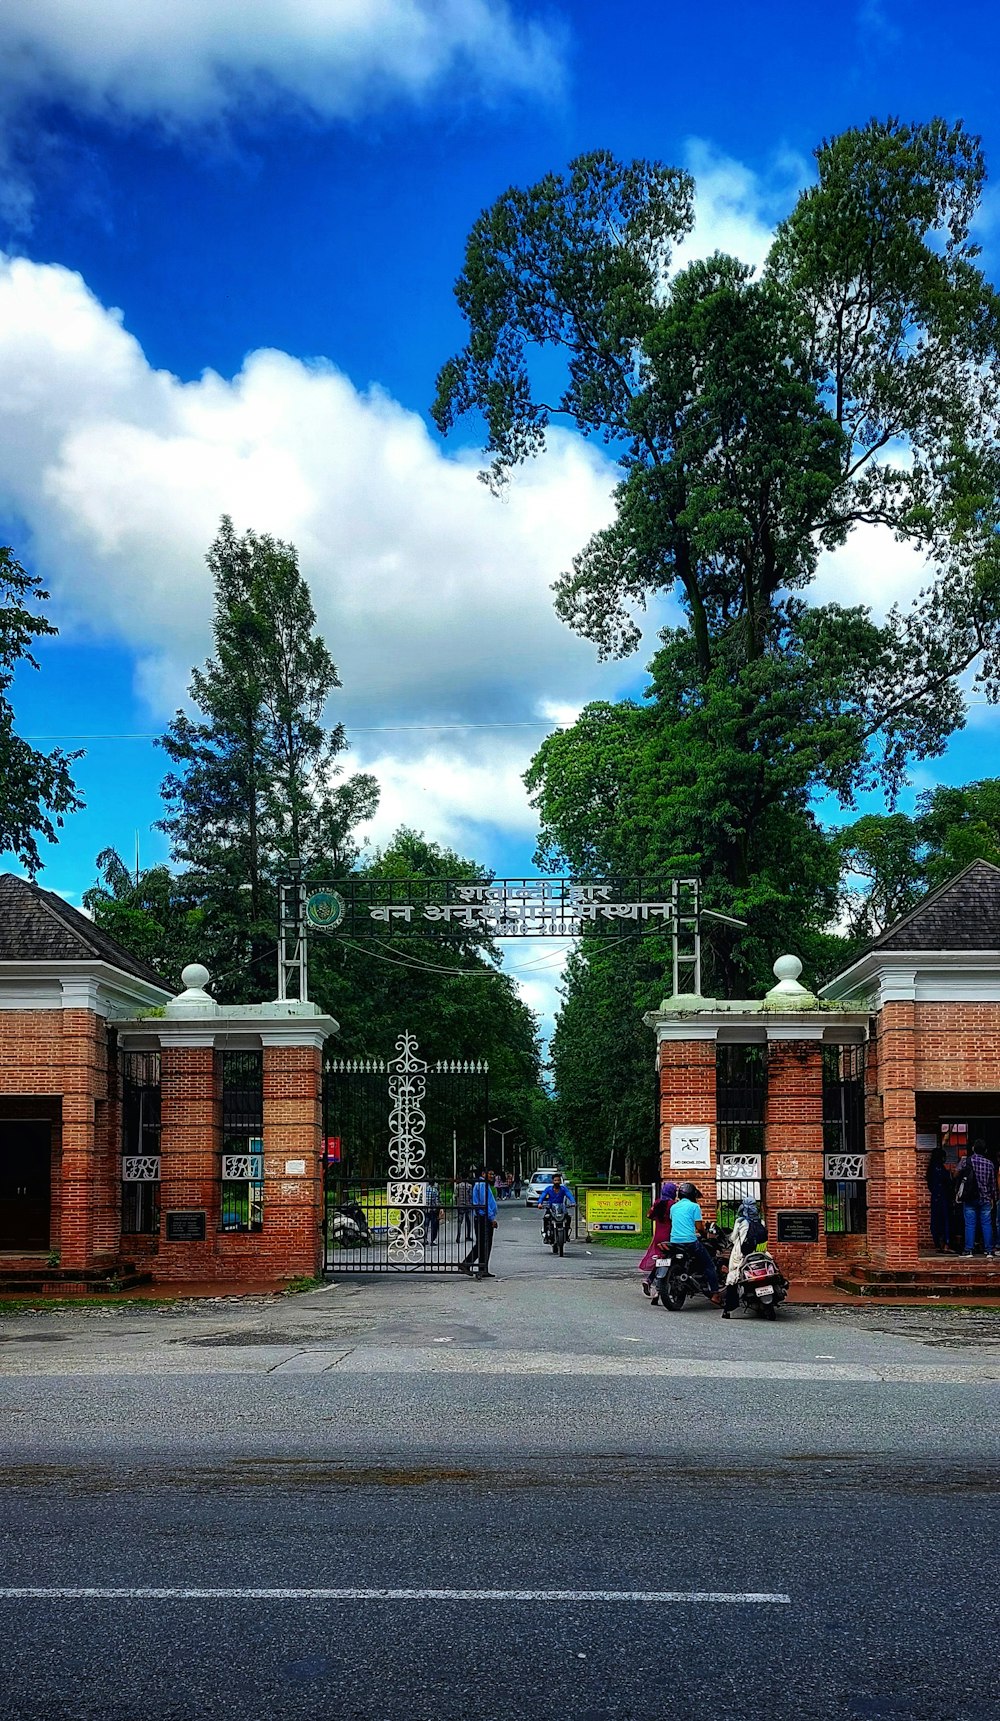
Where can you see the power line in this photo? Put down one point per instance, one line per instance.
(352, 728)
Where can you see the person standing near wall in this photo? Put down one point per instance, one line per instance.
(463, 1209)
(978, 1192)
(941, 1188)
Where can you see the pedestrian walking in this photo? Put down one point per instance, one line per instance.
(463, 1210)
(432, 1213)
(484, 1223)
(977, 1191)
(939, 1183)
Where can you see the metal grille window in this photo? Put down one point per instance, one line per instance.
(140, 1142)
(845, 1163)
(740, 1083)
(739, 1169)
(242, 1168)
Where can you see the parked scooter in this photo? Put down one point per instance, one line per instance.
(348, 1226)
(555, 1228)
(760, 1285)
(678, 1275)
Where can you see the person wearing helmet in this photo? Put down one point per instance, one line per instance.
(557, 1196)
(688, 1227)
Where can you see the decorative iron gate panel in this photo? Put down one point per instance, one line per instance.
(403, 1137)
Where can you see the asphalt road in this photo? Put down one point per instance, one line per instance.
(544, 1433)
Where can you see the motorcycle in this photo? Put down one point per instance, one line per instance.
(678, 1275)
(349, 1228)
(760, 1285)
(555, 1229)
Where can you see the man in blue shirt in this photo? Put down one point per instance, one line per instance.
(484, 1223)
(556, 1197)
(687, 1226)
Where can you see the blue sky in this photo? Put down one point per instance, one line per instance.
(182, 187)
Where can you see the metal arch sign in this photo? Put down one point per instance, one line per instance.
(325, 909)
(506, 907)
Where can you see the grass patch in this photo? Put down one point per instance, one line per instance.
(295, 1287)
(21, 1305)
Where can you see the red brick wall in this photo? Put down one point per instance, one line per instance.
(920, 1048)
(62, 1054)
(687, 1095)
(290, 1243)
(794, 1141)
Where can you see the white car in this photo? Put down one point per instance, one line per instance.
(538, 1182)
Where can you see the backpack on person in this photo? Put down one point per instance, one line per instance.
(967, 1194)
(756, 1235)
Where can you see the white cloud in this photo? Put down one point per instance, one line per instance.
(463, 795)
(736, 208)
(872, 568)
(435, 597)
(195, 61)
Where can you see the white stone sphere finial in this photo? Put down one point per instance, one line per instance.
(194, 1000)
(788, 993)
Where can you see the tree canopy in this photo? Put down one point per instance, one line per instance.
(36, 788)
(847, 391)
(258, 779)
(758, 422)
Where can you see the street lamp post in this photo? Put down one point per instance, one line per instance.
(503, 1134)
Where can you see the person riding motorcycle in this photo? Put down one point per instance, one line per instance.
(558, 1196)
(688, 1227)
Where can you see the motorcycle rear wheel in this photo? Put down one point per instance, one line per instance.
(672, 1296)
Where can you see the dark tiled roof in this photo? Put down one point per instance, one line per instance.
(36, 926)
(963, 914)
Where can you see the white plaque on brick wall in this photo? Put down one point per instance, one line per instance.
(295, 1167)
(690, 1147)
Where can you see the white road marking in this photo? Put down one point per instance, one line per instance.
(739, 1597)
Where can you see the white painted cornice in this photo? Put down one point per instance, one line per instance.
(77, 985)
(751, 1022)
(920, 976)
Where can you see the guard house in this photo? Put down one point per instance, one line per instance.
(826, 1108)
(142, 1133)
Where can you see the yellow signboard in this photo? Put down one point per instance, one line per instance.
(615, 1209)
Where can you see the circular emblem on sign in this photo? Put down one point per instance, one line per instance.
(325, 908)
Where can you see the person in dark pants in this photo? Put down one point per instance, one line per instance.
(979, 1191)
(484, 1223)
(942, 1197)
(432, 1213)
(463, 1210)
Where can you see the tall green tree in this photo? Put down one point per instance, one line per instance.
(36, 789)
(258, 775)
(758, 422)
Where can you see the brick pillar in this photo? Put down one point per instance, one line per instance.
(794, 1142)
(84, 1079)
(107, 1149)
(291, 1242)
(189, 1165)
(687, 1096)
(895, 1196)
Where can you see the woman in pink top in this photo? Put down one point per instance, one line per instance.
(659, 1213)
